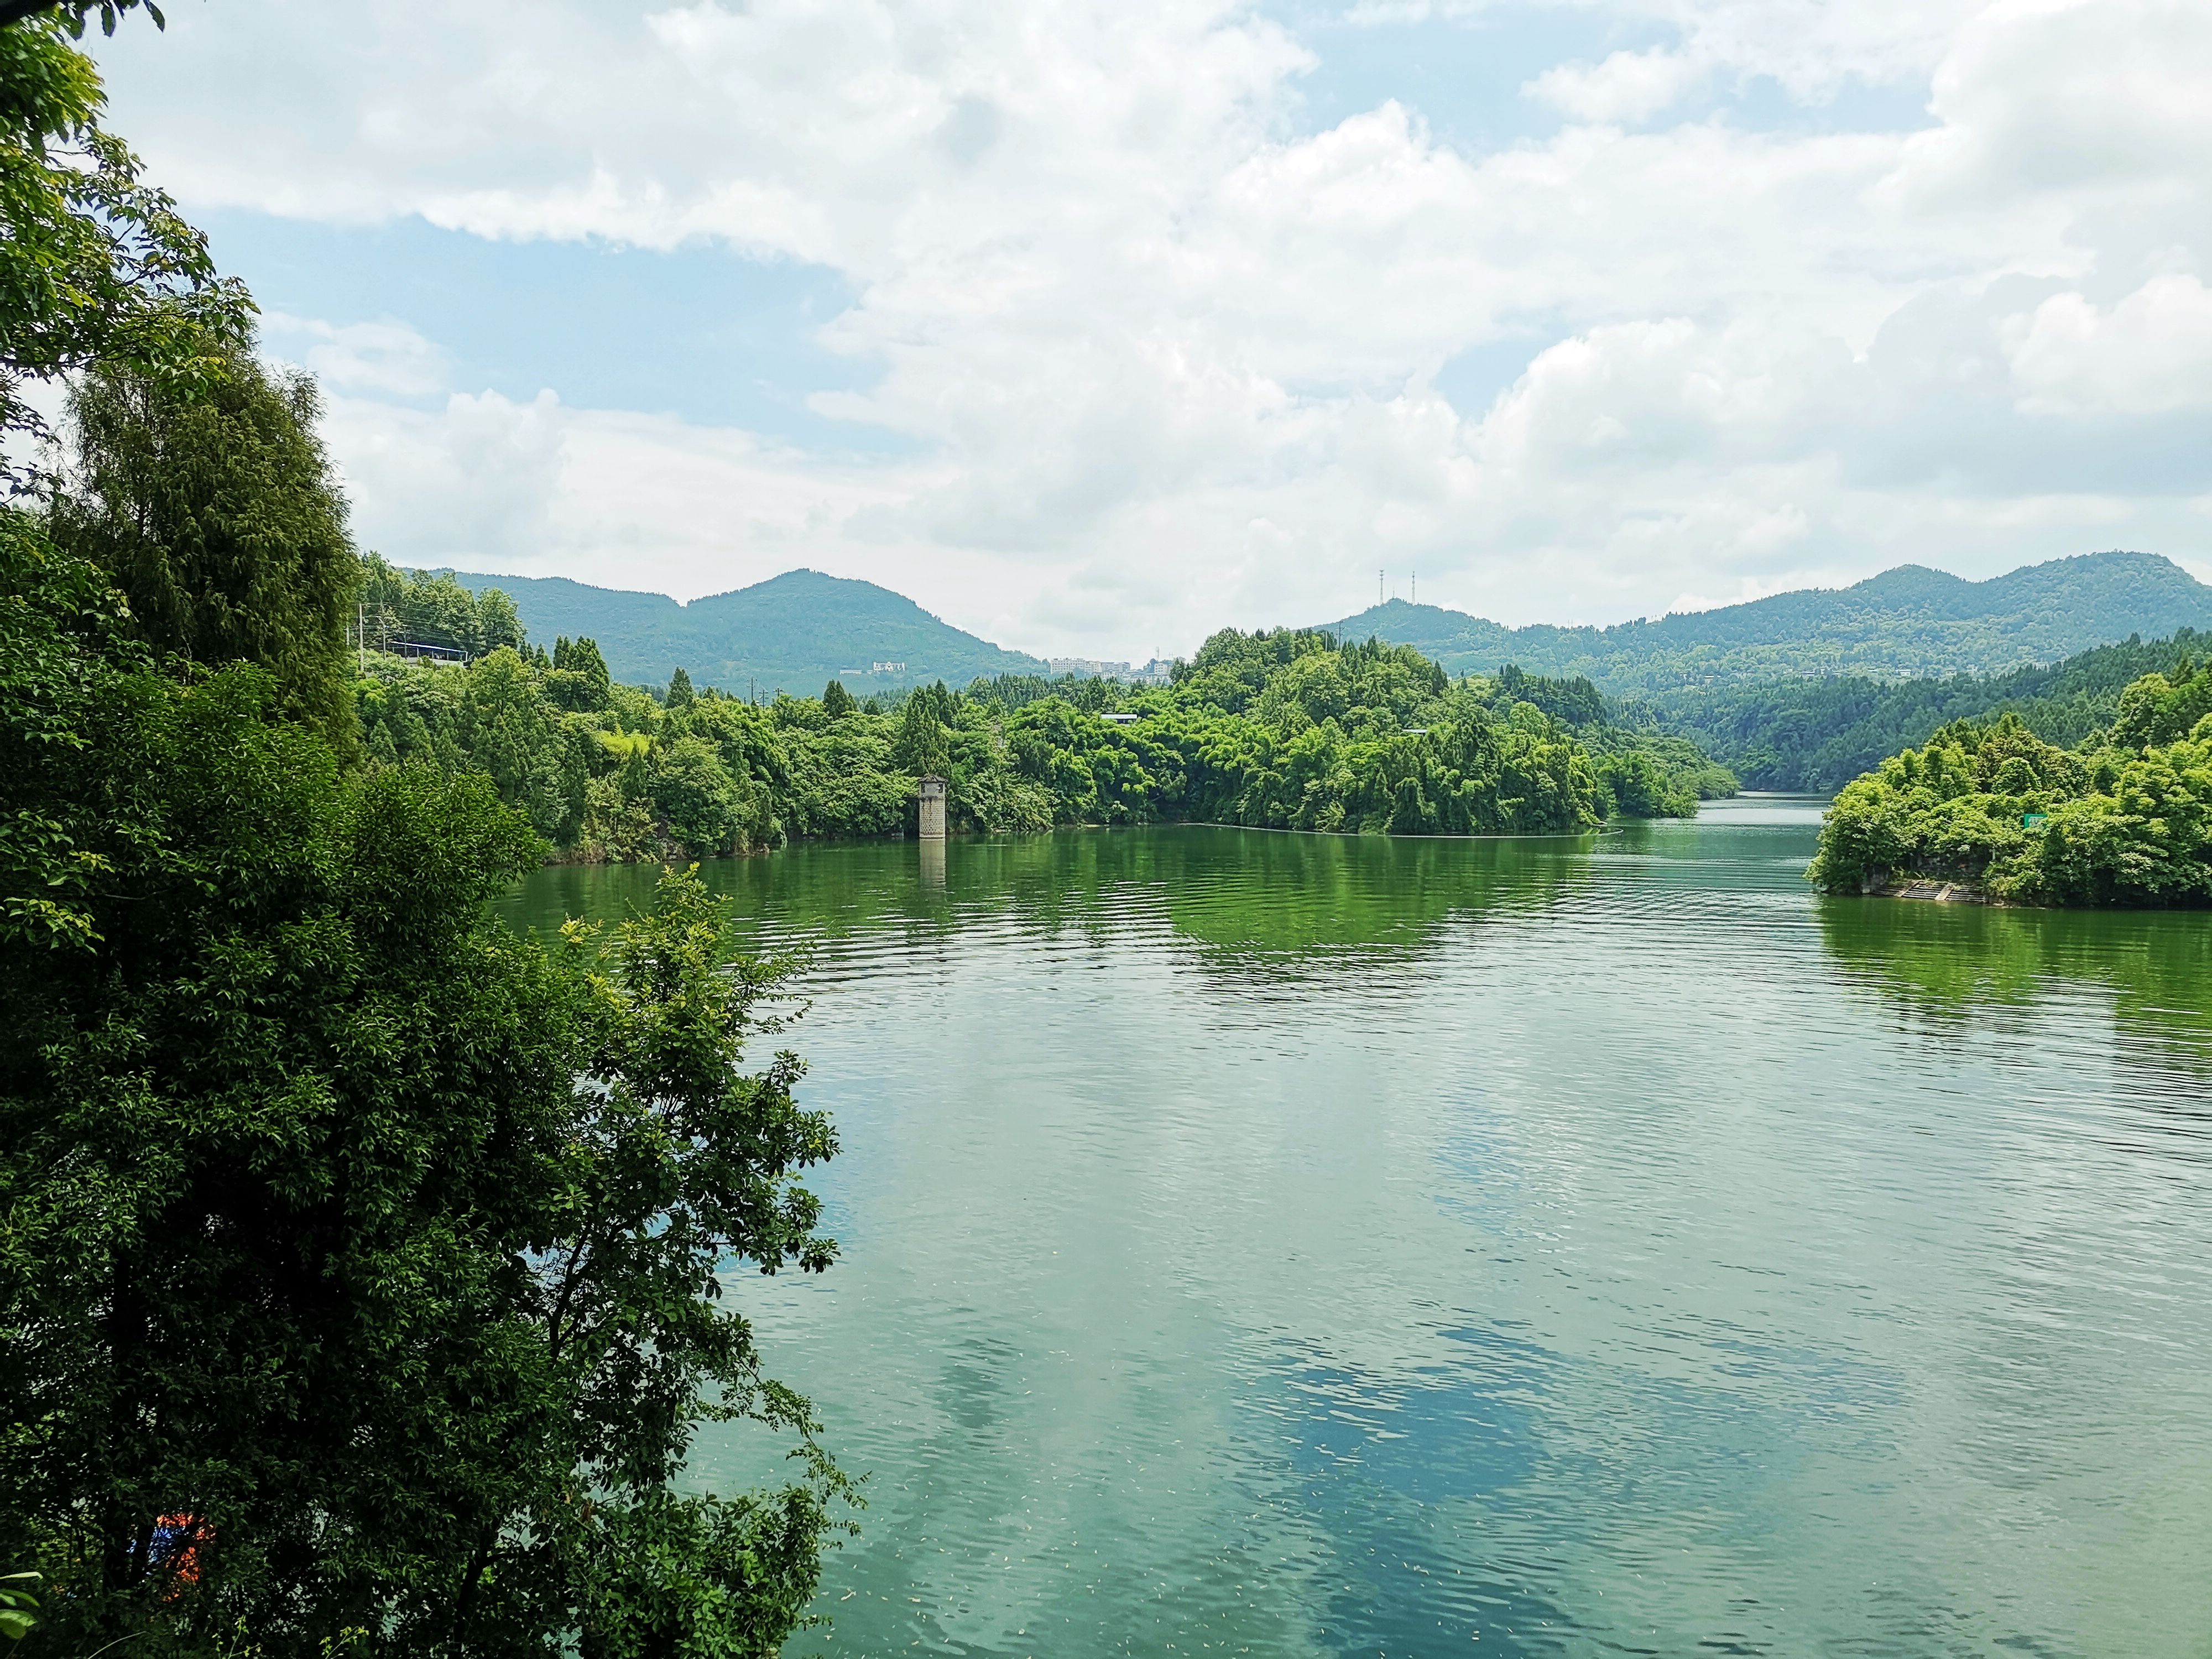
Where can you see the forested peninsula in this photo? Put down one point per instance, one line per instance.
(2123, 819)
(1285, 730)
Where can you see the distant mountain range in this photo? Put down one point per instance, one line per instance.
(794, 633)
(1905, 623)
(797, 631)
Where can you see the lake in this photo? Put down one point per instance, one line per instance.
(1297, 1245)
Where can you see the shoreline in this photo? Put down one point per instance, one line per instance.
(1928, 889)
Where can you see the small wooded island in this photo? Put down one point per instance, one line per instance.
(2120, 820)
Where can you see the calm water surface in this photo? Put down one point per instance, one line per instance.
(1287, 1245)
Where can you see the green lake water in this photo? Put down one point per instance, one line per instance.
(1293, 1245)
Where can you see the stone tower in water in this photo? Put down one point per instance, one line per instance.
(933, 809)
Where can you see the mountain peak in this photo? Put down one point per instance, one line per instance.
(794, 632)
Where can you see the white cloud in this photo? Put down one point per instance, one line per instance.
(1629, 87)
(2150, 354)
(1168, 360)
(388, 355)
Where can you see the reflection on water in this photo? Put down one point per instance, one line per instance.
(1299, 1245)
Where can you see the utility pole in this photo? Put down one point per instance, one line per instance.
(1378, 586)
(1416, 587)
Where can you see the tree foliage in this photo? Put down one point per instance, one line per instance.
(95, 265)
(398, 607)
(363, 1267)
(2125, 819)
(213, 510)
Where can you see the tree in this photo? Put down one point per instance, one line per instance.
(62, 631)
(94, 266)
(498, 623)
(680, 694)
(367, 1251)
(217, 516)
(837, 701)
(695, 796)
(921, 746)
(579, 681)
(348, 1238)
(361, 1261)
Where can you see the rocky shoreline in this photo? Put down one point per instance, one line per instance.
(1920, 887)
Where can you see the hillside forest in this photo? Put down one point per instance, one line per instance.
(1813, 736)
(1289, 730)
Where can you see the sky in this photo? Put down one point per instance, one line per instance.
(1094, 325)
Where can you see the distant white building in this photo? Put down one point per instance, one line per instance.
(887, 668)
(1157, 671)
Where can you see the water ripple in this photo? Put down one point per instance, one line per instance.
(1289, 1245)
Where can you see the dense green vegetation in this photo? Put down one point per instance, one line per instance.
(96, 266)
(211, 508)
(791, 633)
(1285, 730)
(1909, 622)
(364, 1266)
(2125, 818)
(1816, 735)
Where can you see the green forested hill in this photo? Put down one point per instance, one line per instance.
(1909, 622)
(1818, 734)
(793, 633)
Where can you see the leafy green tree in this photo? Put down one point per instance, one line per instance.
(95, 266)
(579, 681)
(370, 1250)
(920, 747)
(61, 629)
(2159, 710)
(498, 623)
(680, 694)
(510, 730)
(703, 805)
(214, 511)
(837, 701)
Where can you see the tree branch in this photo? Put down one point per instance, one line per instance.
(17, 11)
